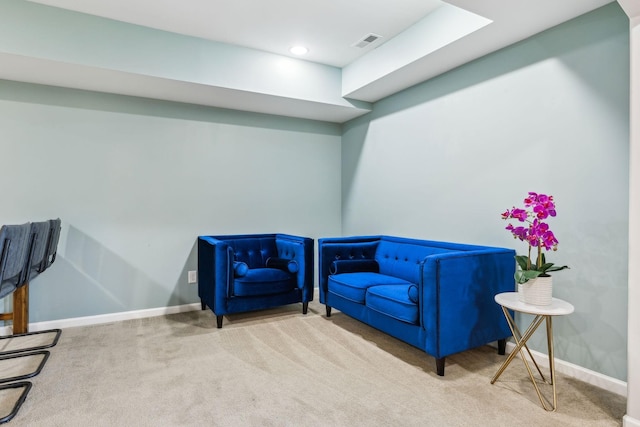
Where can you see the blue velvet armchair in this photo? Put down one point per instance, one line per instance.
(239, 273)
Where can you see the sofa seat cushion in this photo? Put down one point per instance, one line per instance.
(353, 286)
(393, 301)
(263, 281)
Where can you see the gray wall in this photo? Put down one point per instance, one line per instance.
(136, 181)
(442, 160)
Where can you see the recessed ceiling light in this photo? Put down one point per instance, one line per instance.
(298, 50)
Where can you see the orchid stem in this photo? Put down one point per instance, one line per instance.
(539, 263)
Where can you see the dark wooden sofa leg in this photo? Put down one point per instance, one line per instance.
(502, 345)
(219, 321)
(203, 305)
(305, 307)
(328, 310)
(440, 366)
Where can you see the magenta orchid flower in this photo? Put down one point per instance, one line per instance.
(538, 207)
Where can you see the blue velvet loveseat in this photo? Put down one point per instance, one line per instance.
(436, 296)
(239, 273)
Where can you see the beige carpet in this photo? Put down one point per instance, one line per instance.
(280, 368)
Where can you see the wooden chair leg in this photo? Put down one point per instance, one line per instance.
(219, 321)
(21, 310)
(305, 307)
(440, 366)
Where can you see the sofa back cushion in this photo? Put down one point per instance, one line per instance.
(253, 251)
(401, 259)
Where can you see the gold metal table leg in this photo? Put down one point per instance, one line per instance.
(517, 336)
(552, 365)
(521, 342)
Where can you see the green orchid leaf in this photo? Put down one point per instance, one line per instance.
(546, 267)
(522, 261)
(557, 268)
(531, 274)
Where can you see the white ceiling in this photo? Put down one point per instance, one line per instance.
(404, 56)
(328, 28)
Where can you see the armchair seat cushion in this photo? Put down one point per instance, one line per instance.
(353, 286)
(263, 281)
(393, 301)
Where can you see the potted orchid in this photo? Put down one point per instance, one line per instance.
(536, 232)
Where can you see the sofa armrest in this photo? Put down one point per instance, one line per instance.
(456, 294)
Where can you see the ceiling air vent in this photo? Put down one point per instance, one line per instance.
(366, 40)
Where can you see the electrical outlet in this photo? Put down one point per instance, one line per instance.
(191, 276)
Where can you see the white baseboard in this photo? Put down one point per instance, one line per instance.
(583, 374)
(627, 421)
(112, 317)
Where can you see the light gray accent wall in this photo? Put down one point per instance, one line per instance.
(444, 159)
(135, 181)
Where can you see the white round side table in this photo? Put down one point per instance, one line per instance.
(509, 301)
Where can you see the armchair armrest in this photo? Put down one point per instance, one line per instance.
(215, 272)
(300, 250)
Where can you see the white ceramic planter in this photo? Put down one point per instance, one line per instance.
(538, 291)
